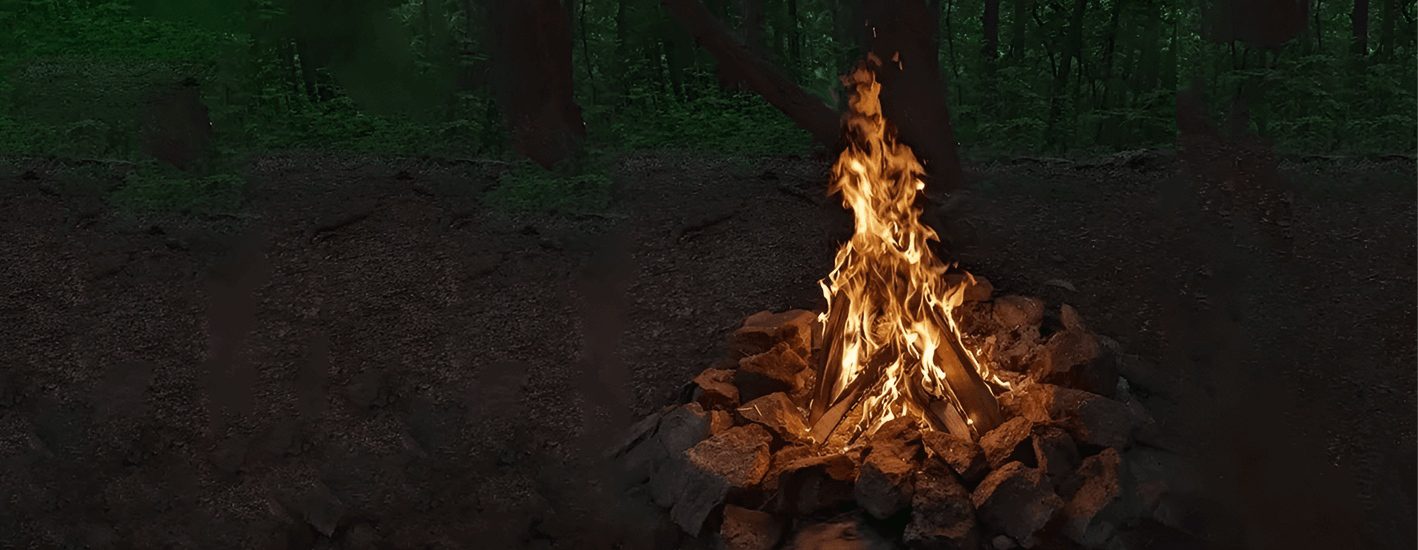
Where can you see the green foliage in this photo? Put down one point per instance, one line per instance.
(151, 189)
(412, 76)
(527, 187)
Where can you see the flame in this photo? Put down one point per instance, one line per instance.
(898, 306)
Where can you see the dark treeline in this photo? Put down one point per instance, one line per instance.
(1072, 76)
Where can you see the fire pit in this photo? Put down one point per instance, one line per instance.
(918, 409)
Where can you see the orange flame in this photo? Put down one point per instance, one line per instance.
(886, 275)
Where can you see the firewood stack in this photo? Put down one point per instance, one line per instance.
(1074, 464)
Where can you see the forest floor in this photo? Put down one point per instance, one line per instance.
(369, 349)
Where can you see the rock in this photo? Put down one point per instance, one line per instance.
(1055, 452)
(1001, 542)
(739, 456)
(1016, 351)
(719, 421)
(1096, 508)
(883, 485)
(763, 330)
(1015, 500)
(1012, 312)
(1009, 442)
(977, 288)
(731, 461)
(775, 370)
(964, 457)
(1071, 319)
(942, 516)
(842, 533)
(899, 437)
(777, 412)
(682, 427)
(1074, 359)
(745, 529)
(816, 483)
(781, 458)
(1090, 418)
(715, 389)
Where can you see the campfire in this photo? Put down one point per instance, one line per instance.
(891, 345)
(918, 409)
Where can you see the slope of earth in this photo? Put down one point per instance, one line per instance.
(370, 355)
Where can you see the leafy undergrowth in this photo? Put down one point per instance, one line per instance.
(529, 188)
(153, 189)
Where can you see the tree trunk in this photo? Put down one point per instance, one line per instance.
(795, 38)
(1110, 44)
(950, 40)
(1360, 20)
(913, 94)
(585, 51)
(531, 58)
(1072, 50)
(1018, 30)
(806, 111)
(1386, 29)
(989, 23)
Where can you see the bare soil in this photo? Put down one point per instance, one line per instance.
(369, 355)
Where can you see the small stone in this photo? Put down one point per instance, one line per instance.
(942, 516)
(1096, 508)
(777, 412)
(1074, 359)
(964, 457)
(883, 486)
(763, 330)
(816, 483)
(715, 389)
(1013, 311)
(1001, 542)
(775, 370)
(842, 533)
(745, 529)
(1071, 319)
(977, 288)
(1009, 442)
(1015, 500)
(1055, 452)
(1090, 418)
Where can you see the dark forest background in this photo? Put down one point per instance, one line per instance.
(412, 77)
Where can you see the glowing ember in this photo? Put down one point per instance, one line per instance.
(890, 343)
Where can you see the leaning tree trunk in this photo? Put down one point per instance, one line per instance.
(531, 61)
(807, 111)
(913, 95)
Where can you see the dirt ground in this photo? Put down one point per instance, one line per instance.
(368, 356)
